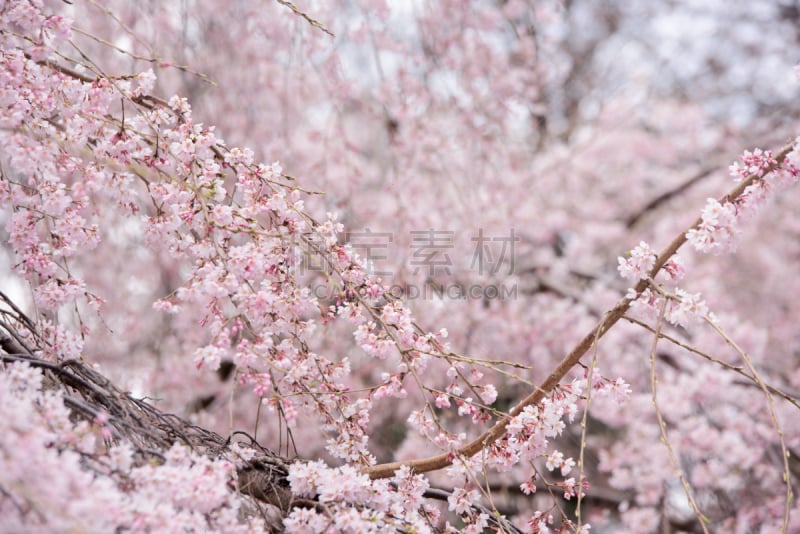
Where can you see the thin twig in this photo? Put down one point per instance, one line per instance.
(662, 425)
(315, 23)
(773, 415)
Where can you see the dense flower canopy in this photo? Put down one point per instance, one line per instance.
(399, 294)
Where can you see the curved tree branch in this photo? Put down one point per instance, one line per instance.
(443, 460)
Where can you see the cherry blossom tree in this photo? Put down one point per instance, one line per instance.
(404, 292)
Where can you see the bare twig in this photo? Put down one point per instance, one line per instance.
(307, 18)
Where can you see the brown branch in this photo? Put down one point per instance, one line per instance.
(62, 69)
(441, 461)
(633, 219)
(308, 19)
(10, 345)
(148, 101)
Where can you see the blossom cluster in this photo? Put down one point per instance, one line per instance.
(721, 220)
(682, 307)
(61, 475)
(354, 503)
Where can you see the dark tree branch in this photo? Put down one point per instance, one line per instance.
(664, 197)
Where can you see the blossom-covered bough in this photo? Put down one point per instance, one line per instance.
(102, 178)
(60, 464)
